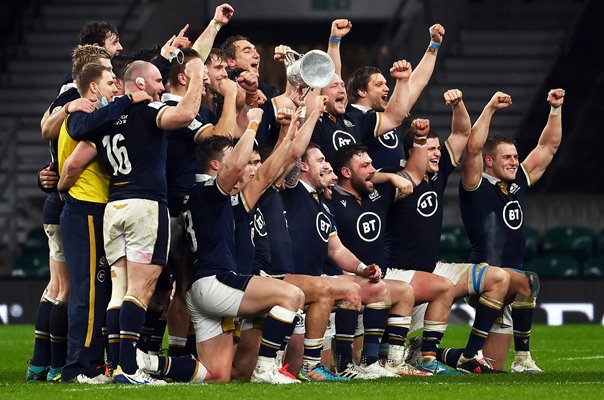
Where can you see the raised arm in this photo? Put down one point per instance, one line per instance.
(549, 141)
(423, 71)
(73, 166)
(234, 163)
(472, 165)
(339, 29)
(461, 126)
(268, 172)
(398, 105)
(186, 110)
(227, 124)
(205, 41)
(303, 136)
(417, 164)
(51, 126)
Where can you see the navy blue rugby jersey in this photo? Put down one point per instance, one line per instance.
(133, 151)
(329, 267)
(493, 217)
(181, 163)
(310, 227)
(210, 228)
(361, 223)
(385, 150)
(268, 130)
(332, 133)
(280, 244)
(244, 234)
(262, 256)
(415, 222)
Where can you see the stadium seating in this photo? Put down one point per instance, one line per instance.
(572, 241)
(600, 243)
(533, 241)
(454, 244)
(33, 262)
(554, 266)
(36, 239)
(594, 266)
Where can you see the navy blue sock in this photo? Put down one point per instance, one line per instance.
(151, 317)
(179, 369)
(112, 320)
(374, 322)
(449, 356)
(346, 323)
(278, 325)
(132, 317)
(58, 334)
(523, 321)
(398, 328)
(487, 311)
(157, 339)
(433, 334)
(41, 356)
(191, 346)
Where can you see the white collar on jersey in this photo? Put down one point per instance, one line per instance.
(169, 96)
(308, 187)
(202, 177)
(361, 107)
(490, 178)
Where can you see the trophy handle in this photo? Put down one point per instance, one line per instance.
(290, 56)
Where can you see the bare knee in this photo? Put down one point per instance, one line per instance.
(295, 298)
(376, 292)
(218, 375)
(497, 279)
(519, 284)
(322, 291)
(401, 292)
(351, 296)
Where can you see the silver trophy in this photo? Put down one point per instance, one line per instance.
(309, 71)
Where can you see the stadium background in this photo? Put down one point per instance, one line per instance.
(522, 47)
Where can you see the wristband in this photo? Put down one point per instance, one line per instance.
(253, 125)
(361, 267)
(334, 41)
(433, 48)
(555, 110)
(420, 141)
(215, 24)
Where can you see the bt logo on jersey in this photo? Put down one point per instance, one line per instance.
(323, 224)
(389, 140)
(341, 138)
(512, 215)
(427, 204)
(369, 226)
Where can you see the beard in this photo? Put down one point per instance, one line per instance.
(360, 186)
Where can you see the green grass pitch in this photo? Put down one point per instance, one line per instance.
(571, 355)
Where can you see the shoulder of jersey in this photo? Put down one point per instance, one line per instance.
(156, 104)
